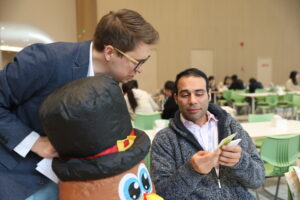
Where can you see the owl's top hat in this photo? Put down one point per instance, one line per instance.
(88, 123)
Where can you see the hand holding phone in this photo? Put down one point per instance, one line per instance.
(231, 153)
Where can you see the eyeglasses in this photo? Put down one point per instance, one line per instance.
(137, 63)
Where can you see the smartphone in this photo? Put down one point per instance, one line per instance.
(226, 140)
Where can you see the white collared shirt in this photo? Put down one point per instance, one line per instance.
(26, 144)
(206, 134)
(91, 67)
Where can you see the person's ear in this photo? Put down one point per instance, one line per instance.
(209, 94)
(108, 52)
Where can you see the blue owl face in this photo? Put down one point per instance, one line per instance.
(133, 187)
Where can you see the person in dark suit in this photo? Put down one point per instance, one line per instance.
(254, 84)
(120, 46)
(237, 84)
(170, 106)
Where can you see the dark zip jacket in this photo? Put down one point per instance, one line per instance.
(174, 177)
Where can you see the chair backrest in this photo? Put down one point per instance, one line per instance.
(227, 94)
(280, 151)
(236, 97)
(145, 121)
(260, 117)
(288, 98)
(261, 90)
(272, 100)
(296, 100)
(260, 99)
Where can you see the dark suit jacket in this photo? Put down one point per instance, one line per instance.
(254, 86)
(237, 85)
(36, 72)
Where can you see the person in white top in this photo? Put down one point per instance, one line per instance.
(224, 85)
(292, 84)
(138, 101)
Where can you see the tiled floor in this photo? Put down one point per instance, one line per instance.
(270, 185)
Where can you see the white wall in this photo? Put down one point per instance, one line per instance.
(55, 17)
(268, 28)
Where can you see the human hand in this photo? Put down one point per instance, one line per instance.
(44, 148)
(230, 155)
(203, 161)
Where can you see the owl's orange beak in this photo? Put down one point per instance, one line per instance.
(152, 196)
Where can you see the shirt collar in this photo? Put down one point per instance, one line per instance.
(211, 118)
(91, 67)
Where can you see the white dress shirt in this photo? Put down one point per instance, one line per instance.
(207, 134)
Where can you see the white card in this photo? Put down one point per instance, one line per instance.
(45, 168)
(234, 142)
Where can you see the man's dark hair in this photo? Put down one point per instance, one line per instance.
(234, 77)
(252, 80)
(293, 75)
(123, 29)
(190, 72)
(169, 85)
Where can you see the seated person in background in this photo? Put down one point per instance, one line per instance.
(161, 97)
(293, 83)
(137, 100)
(170, 106)
(185, 156)
(212, 84)
(237, 84)
(169, 88)
(254, 84)
(222, 86)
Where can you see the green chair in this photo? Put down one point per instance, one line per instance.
(145, 121)
(226, 94)
(239, 101)
(272, 101)
(296, 103)
(278, 154)
(260, 118)
(288, 99)
(286, 103)
(261, 100)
